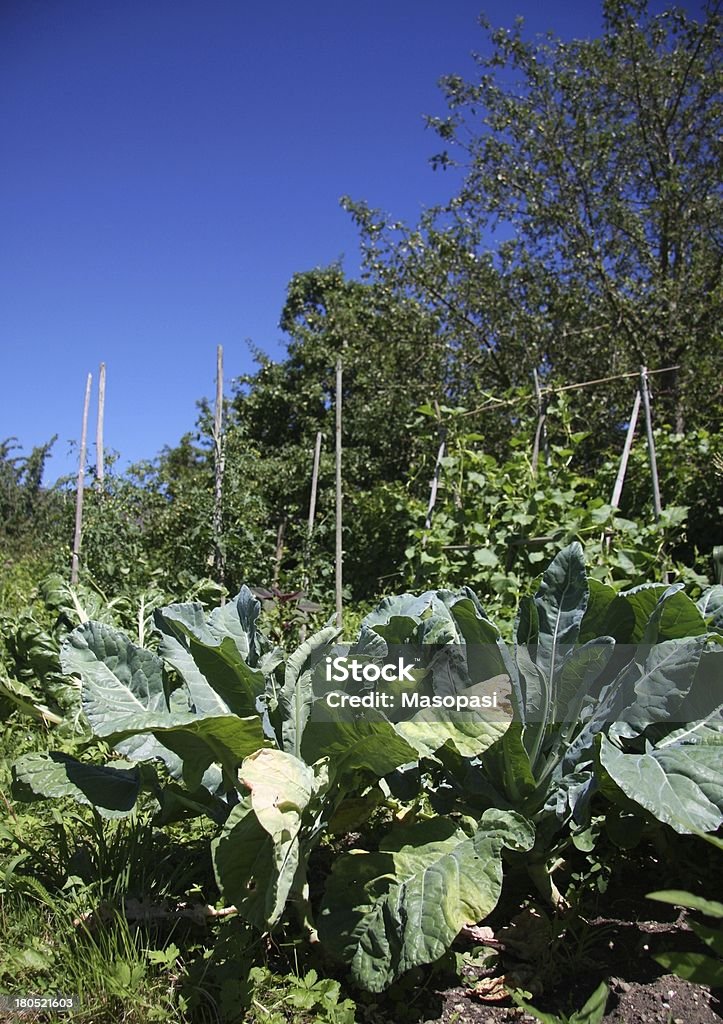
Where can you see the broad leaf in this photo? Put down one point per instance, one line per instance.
(257, 856)
(664, 611)
(681, 785)
(369, 743)
(387, 912)
(710, 606)
(214, 670)
(296, 696)
(111, 789)
(561, 602)
(121, 685)
(198, 742)
(238, 619)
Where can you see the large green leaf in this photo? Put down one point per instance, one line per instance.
(561, 602)
(121, 685)
(111, 789)
(661, 683)
(599, 600)
(296, 696)
(258, 854)
(198, 742)
(124, 700)
(211, 664)
(680, 784)
(238, 619)
(369, 743)
(175, 649)
(574, 685)
(710, 606)
(243, 861)
(487, 653)
(653, 612)
(386, 912)
(403, 616)
(471, 733)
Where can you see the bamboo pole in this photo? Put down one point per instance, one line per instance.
(314, 484)
(279, 553)
(540, 432)
(627, 448)
(657, 508)
(310, 523)
(99, 452)
(219, 466)
(81, 482)
(434, 483)
(339, 560)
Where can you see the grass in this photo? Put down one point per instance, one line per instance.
(94, 909)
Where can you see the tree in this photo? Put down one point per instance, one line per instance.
(393, 362)
(28, 511)
(596, 161)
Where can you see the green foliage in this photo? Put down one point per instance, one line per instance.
(699, 968)
(603, 688)
(305, 999)
(591, 1013)
(496, 523)
(387, 912)
(213, 726)
(601, 267)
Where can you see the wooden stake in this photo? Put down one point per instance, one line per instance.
(279, 554)
(627, 447)
(339, 550)
(219, 465)
(314, 484)
(657, 508)
(81, 481)
(310, 523)
(99, 453)
(540, 432)
(434, 483)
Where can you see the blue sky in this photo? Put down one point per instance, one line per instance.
(169, 164)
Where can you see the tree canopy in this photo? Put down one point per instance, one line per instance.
(595, 163)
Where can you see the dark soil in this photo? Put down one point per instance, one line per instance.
(640, 991)
(563, 962)
(664, 1000)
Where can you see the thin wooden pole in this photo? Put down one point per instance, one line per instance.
(279, 554)
(219, 466)
(81, 482)
(310, 523)
(339, 496)
(434, 483)
(99, 453)
(540, 432)
(627, 448)
(651, 441)
(314, 484)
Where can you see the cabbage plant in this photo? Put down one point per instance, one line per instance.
(601, 693)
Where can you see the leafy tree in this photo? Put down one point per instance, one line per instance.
(393, 360)
(596, 161)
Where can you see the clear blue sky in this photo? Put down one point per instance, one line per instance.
(167, 165)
